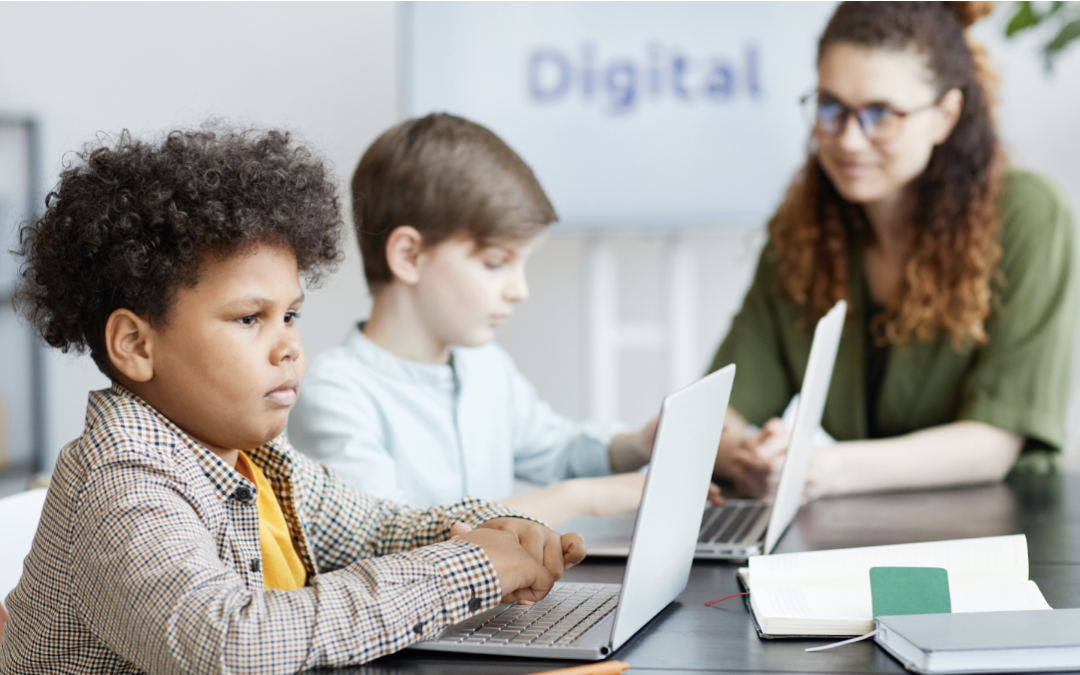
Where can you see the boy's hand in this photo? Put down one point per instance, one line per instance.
(715, 497)
(631, 450)
(523, 579)
(554, 551)
(647, 437)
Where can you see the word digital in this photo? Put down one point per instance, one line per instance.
(619, 84)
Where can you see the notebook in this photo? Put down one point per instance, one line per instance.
(827, 593)
(983, 642)
(747, 527)
(590, 621)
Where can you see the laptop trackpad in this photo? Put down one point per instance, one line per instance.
(604, 536)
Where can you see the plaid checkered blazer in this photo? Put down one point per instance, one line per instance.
(147, 559)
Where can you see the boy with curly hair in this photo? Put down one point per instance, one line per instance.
(182, 533)
(420, 404)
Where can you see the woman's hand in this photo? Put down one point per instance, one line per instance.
(754, 460)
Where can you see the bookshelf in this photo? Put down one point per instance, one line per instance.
(23, 384)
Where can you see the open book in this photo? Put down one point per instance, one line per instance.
(828, 592)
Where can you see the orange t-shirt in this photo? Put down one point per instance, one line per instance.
(282, 567)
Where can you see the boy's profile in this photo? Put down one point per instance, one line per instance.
(419, 404)
(181, 532)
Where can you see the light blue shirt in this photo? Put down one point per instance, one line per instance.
(430, 434)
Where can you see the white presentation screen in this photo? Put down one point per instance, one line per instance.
(633, 115)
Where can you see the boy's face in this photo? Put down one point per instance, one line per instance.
(228, 364)
(465, 292)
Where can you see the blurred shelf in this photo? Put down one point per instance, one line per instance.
(32, 185)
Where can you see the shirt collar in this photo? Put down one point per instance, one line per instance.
(270, 457)
(395, 367)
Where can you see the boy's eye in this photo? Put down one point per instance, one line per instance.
(247, 320)
(494, 264)
(291, 317)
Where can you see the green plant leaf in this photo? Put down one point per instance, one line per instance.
(1067, 34)
(1024, 17)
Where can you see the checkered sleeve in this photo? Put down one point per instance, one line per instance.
(149, 582)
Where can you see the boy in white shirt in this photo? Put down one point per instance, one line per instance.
(419, 404)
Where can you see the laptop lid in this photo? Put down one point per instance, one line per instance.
(812, 397)
(666, 529)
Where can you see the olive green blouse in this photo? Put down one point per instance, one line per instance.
(1018, 381)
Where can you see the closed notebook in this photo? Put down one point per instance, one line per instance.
(983, 642)
(827, 593)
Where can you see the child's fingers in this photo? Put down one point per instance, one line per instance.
(533, 542)
(458, 529)
(534, 585)
(715, 497)
(573, 548)
(541, 584)
(553, 557)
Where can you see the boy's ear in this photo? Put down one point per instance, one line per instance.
(403, 248)
(127, 339)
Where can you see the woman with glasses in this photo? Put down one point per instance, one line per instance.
(959, 273)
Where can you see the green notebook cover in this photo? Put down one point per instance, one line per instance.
(909, 590)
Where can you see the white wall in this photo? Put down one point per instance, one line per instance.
(328, 71)
(325, 70)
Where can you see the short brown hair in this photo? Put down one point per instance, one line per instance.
(446, 177)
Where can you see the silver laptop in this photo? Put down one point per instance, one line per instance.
(590, 621)
(746, 527)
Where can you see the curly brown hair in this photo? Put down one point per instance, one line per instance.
(949, 278)
(130, 222)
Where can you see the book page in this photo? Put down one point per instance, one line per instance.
(980, 560)
(1003, 597)
(833, 603)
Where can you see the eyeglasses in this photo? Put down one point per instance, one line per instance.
(879, 121)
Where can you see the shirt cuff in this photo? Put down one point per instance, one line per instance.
(470, 585)
(593, 455)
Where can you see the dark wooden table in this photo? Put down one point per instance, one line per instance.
(689, 637)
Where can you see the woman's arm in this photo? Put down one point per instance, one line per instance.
(960, 453)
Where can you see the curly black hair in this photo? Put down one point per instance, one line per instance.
(130, 222)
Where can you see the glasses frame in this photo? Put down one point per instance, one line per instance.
(847, 111)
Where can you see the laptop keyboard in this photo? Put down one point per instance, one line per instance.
(729, 522)
(563, 616)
